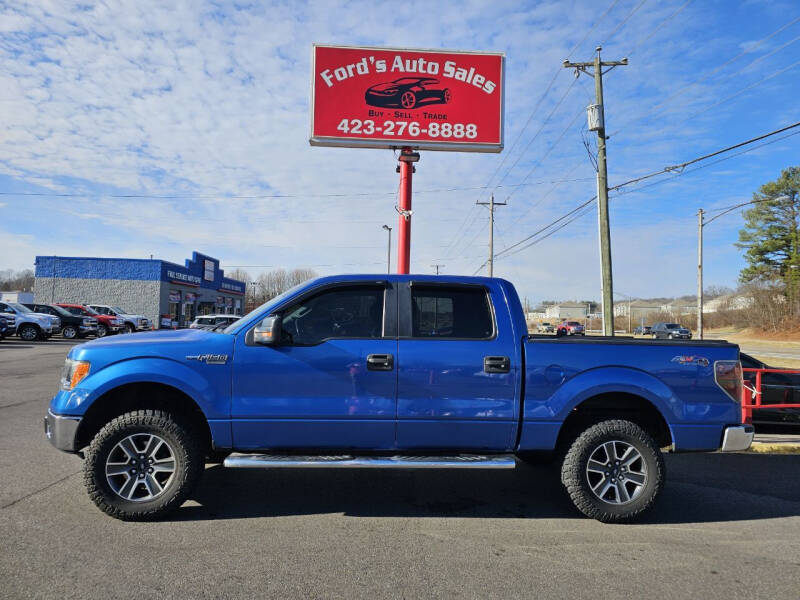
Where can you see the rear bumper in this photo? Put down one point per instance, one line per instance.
(737, 438)
(61, 431)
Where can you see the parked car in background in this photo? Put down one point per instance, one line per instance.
(72, 326)
(545, 327)
(130, 323)
(776, 388)
(212, 322)
(106, 324)
(670, 331)
(642, 330)
(570, 328)
(29, 325)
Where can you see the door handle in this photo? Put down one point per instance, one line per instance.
(380, 362)
(496, 364)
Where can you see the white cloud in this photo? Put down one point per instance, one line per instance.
(185, 99)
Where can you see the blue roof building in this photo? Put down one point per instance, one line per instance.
(163, 291)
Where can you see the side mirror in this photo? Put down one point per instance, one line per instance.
(268, 332)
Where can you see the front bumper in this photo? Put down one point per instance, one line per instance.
(61, 430)
(737, 438)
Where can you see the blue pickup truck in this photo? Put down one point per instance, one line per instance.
(393, 371)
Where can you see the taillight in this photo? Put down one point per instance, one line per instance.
(728, 375)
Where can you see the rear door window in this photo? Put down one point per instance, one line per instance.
(458, 312)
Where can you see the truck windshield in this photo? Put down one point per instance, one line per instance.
(265, 308)
(17, 306)
(673, 326)
(118, 310)
(62, 311)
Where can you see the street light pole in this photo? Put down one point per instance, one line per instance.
(389, 250)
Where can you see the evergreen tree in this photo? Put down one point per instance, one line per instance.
(771, 234)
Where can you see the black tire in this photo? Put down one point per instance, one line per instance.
(576, 478)
(69, 332)
(128, 328)
(102, 330)
(28, 332)
(188, 464)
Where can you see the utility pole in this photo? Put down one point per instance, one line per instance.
(596, 116)
(491, 204)
(700, 273)
(437, 267)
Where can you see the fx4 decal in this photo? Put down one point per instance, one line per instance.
(210, 359)
(701, 361)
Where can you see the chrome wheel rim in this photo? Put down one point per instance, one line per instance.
(28, 334)
(140, 467)
(616, 472)
(69, 333)
(101, 332)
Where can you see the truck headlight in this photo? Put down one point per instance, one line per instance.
(73, 373)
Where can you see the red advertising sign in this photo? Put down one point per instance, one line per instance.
(389, 98)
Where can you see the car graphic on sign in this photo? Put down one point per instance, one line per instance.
(408, 92)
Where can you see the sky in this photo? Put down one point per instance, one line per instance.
(200, 111)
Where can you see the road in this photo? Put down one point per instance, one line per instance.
(727, 526)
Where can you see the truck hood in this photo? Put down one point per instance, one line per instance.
(130, 316)
(167, 343)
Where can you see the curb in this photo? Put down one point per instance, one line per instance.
(774, 448)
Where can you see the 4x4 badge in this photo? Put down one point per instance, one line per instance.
(210, 359)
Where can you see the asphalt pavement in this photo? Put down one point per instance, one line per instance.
(727, 526)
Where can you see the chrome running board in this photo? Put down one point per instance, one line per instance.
(273, 461)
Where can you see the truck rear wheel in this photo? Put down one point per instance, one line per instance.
(142, 465)
(613, 471)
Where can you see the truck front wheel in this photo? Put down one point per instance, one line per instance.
(613, 471)
(142, 465)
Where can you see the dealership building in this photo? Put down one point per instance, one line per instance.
(167, 293)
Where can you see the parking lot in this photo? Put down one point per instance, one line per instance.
(726, 526)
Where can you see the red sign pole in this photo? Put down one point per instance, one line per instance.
(407, 159)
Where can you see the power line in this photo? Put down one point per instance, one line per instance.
(544, 124)
(549, 150)
(658, 27)
(705, 166)
(622, 23)
(683, 165)
(459, 235)
(678, 170)
(652, 112)
(267, 196)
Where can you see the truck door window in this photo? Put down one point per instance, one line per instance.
(450, 312)
(355, 312)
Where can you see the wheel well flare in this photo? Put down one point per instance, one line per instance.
(138, 396)
(616, 406)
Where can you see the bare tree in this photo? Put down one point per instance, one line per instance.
(19, 280)
(275, 282)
